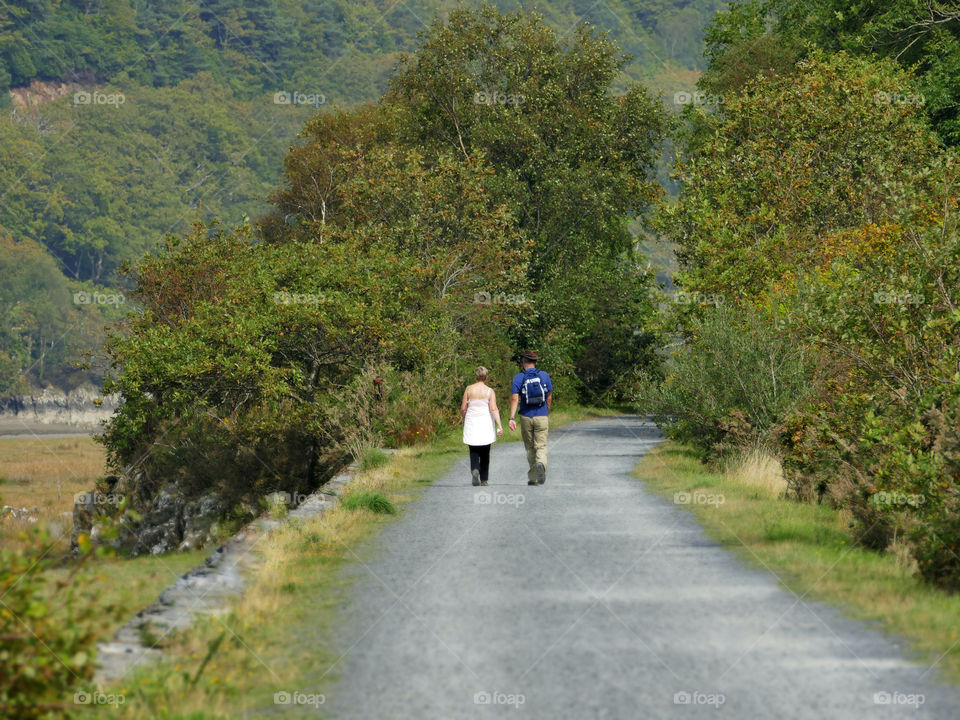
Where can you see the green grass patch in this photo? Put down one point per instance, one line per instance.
(808, 548)
(371, 500)
(373, 457)
(131, 584)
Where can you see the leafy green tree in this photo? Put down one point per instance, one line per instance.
(570, 158)
(246, 353)
(572, 162)
(921, 35)
(44, 332)
(790, 160)
(817, 199)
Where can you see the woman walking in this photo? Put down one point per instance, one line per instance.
(480, 414)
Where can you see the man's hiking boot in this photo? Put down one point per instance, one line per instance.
(483, 482)
(476, 477)
(541, 473)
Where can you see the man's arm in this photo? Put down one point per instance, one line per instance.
(514, 399)
(549, 400)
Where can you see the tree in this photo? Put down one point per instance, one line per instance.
(792, 159)
(570, 160)
(921, 35)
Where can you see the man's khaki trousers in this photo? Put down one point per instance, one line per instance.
(534, 433)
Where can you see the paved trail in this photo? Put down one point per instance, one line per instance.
(595, 599)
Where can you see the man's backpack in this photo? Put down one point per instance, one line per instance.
(533, 391)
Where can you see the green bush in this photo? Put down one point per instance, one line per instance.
(881, 434)
(731, 377)
(48, 630)
(790, 202)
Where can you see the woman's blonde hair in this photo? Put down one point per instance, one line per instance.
(481, 373)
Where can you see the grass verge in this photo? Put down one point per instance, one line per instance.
(130, 584)
(278, 638)
(808, 548)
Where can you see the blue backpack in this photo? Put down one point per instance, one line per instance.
(533, 391)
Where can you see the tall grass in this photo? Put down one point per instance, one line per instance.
(757, 468)
(373, 457)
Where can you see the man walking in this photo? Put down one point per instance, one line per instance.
(533, 390)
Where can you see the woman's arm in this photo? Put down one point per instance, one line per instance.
(495, 411)
(463, 405)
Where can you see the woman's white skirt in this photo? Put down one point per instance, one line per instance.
(478, 425)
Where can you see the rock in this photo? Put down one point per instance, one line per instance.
(39, 92)
(207, 588)
(86, 514)
(199, 518)
(169, 518)
(161, 529)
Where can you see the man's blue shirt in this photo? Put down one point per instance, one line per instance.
(523, 408)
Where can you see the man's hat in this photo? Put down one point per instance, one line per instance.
(530, 355)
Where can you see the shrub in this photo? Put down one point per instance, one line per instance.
(936, 548)
(48, 629)
(881, 312)
(731, 378)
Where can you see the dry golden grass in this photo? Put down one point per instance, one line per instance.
(758, 469)
(46, 473)
(328, 534)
